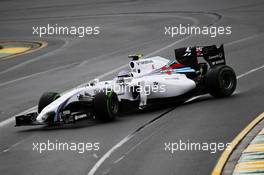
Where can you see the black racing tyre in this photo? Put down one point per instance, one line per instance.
(106, 106)
(221, 81)
(46, 99)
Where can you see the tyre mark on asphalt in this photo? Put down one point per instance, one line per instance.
(63, 6)
(218, 16)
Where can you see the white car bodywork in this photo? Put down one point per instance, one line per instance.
(151, 86)
(146, 82)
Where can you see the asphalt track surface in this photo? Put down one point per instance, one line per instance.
(126, 27)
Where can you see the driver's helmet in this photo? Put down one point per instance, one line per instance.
(123, 74)
(136, 56)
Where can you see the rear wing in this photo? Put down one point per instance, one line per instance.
(212, 54)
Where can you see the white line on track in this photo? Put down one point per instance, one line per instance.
(14, 145)
(9, 120)
(250, 72)
(243, 39)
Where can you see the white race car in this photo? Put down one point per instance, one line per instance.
(147, 81)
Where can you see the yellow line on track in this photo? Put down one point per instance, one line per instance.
(254, 148)
(42, 45)
(14, 50)
(227, 152)
(249, 166)
(261, 132)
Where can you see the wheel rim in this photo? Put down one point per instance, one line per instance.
(113, 105)
(227, 80)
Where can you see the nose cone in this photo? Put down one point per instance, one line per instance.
(42, 117)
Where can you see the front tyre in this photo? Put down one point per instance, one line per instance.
(106, 106)
(221, 81)
(46, 99)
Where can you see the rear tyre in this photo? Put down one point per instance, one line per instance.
(106, 106)
(46, 99)
(221, 81)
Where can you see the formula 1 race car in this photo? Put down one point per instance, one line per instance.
(146, 82)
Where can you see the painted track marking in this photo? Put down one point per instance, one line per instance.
(36, 59)
(42, 45)
(227, 152)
